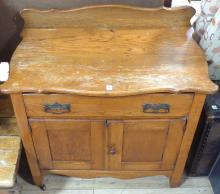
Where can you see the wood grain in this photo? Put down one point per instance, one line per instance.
(144, 134)
(115, 139)
(145, 144)
(75, 165)
(24, 130)
(40, 140)
(70, 140)
(129, 106)
(194, 115)
(68, 144)
(10, 142)
(145, 56)
(84, 59)
(98, 144)
(112, 173)
(174, 139)
(10, 157)
(10, 147)
(108, 16)
(7, 176)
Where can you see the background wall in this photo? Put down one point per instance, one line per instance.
(10, 25)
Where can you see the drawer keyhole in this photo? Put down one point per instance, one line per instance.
(107, 123)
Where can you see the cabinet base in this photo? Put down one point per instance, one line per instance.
(102, 173)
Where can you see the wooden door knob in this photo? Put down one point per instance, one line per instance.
(112, 150)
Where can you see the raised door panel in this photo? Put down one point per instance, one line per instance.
(69, 144)
(144, 145)
(136, 134)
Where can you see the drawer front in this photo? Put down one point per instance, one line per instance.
(150, 105)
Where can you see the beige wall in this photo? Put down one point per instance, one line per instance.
(9, 8)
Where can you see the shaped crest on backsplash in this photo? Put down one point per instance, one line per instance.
(108, 16)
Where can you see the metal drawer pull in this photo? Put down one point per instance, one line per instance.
(57, 108)
(156, 108)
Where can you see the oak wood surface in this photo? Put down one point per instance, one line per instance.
(145, 144)
(69, 141)
(40, 141)
(10, 147)
(97, 145)
(68, 144)
(112, 173)
(108, 67)
(174, 139)
(193, 118)
(72, 145)
(108, 16)
(24, 130)
(9, 142)
(7, 176)
(83, 59)
(129, 106)
(144, 134)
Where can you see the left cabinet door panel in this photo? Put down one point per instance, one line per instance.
(68, 144)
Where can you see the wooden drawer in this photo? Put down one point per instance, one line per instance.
(150, 105)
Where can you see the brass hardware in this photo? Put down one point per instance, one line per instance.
(57, 108)
(111, 150)
(156, 108)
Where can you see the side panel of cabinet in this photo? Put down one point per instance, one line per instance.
(144, 145)
(62, 144)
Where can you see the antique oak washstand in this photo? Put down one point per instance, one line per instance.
(108, 90)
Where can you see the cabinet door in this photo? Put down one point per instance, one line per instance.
(144, 145)
(62, 144)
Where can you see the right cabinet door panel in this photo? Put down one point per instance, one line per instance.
(144, 144)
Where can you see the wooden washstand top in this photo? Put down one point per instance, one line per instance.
(81, 51)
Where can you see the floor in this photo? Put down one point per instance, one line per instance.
(148, 185)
